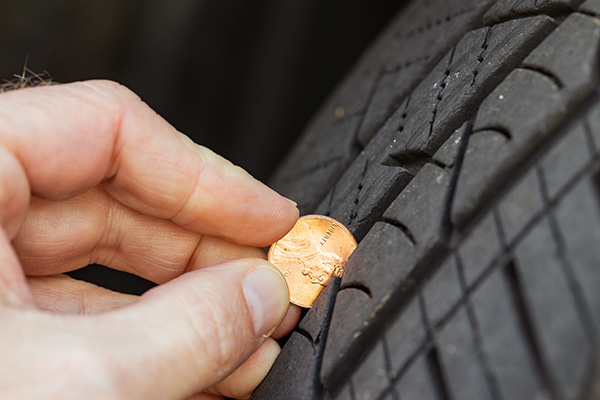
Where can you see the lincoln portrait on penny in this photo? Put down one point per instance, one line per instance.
(304, 250)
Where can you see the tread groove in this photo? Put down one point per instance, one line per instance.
(574, 286)
(411, 160)
(354, 211)
(583, 311)
(501, 130)
(552, 10)
(504, 184)
(545, 72)
(596, 178)
(357, 286)
(403, 228)
(525, 319)
(447, 224)
(589, 13)
(480, 58)
(490, 377)
(433, 360)
(388, 367)
(451, 235)
(589, 137)
(365, 110)
(435, 366)
(440, 94)
(351, 389)
(321, 340)
(308, 337)
(404, 115)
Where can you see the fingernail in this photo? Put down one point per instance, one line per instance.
(267, 298)
(292, 201)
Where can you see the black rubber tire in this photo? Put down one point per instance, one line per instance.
(463, 151)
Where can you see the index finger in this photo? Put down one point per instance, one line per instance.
(69, 138)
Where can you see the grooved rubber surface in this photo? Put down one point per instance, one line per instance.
(475, 193)
(414, 43)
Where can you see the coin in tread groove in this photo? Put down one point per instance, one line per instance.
(310, 255)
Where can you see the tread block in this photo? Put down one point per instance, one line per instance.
(423, 24)
(357, 315)
(520, 205)
(592, 125)
(461, 80)
(565, 159)
(522, 111)
(579, 215)
(371, 379)
(508, 9)
(449, 151)
(421, 110)
(405, 335)
(480, 60)
(390, 251)
(479, 249)
(569, 55)
(386, 250)
(390, 95)
(420, 208)
(463, 373)
(442, 291)
(591, 6)
(415, 51)
(304, 178)
(312, 322)
(418, 37)
(438, 106)
(397, 167)
(345, 393)
(504, 340)
(364, 192)
(418, 382)
(297, 364)
(415, 47)
(352, 307)
(379, 173)
(555, 318)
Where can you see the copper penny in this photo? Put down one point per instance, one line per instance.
(310, 255)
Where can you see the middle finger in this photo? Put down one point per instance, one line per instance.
(57, 237)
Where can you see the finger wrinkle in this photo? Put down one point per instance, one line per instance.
(189, 265)
(109, 238)
(190, 205)
(155, 168)
(214, 329)
(14, 193)
(113, 166)
(52, 109)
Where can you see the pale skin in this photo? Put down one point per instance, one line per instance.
(90, 174)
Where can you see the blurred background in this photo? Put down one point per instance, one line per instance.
(241, 77)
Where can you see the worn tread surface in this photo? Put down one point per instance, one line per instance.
(470, 174)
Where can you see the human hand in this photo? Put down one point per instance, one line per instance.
(90, 174)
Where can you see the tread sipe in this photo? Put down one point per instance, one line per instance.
(463, 152)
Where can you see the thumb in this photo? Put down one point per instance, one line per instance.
(192, 332)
